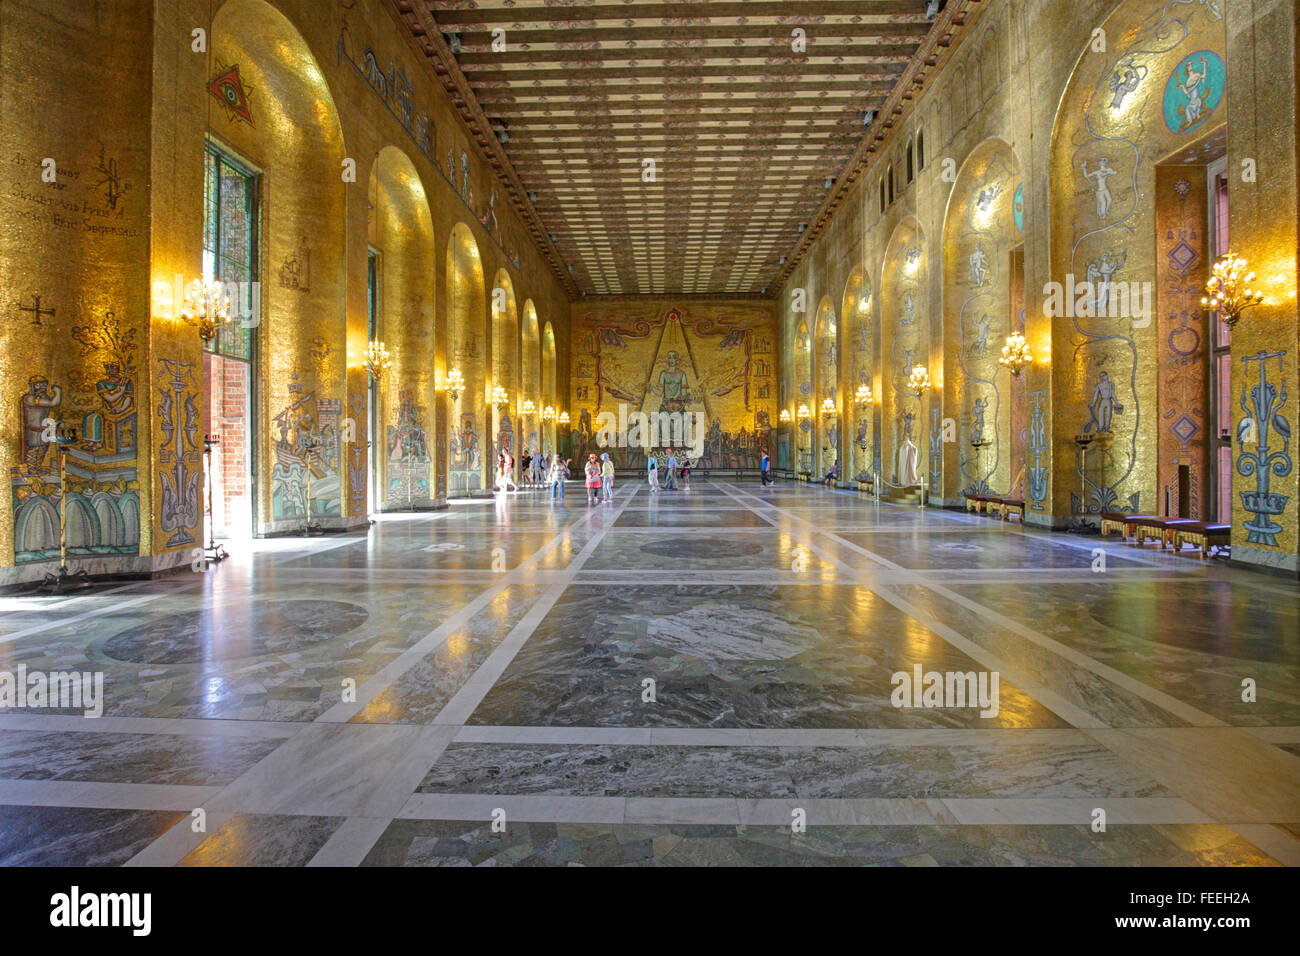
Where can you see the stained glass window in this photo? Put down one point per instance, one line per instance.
(230, 248)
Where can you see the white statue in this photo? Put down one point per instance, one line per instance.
(907, 458)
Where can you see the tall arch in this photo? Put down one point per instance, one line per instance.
(857, 372)
(825, 387)
(505, 365)
(1129, 338)
(295, 144)
(470, 446)
(400, 234)
(905, 343)
(983, 303)
(550, 396)
(530, 376)
(803, 377)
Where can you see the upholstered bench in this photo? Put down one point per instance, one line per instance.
(1203, 535)
(978, 503)
(1113, 521)
(1131, 523)
(1008, 506)
(1161, 529)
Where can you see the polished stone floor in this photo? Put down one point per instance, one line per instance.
(666, 679)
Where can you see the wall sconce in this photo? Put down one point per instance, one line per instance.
(863, 398)
(455, 382)
(785, 417)
(500, 398)
(563, 419)
(803, 413)
(548, 413)
(1015, 354)
(828, 407)
(206, 306)
(528, 407)
(376, 359)
(918, 380)
(1229, 290)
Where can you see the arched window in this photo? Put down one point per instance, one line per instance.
(920, 149)
(911, 172)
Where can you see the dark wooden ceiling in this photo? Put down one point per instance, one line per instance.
(743, 129)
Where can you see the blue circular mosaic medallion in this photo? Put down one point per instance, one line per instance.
(1194, 91)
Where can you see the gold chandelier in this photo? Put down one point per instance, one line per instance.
(548, 413)
(803, 412)
(500, 397)
(828, 406)
(1015, 354)
(206, 306)
(1229, 289)
(785, 416)
(528, 407)
(863, 398)
(918, 380)
(563, 419)
(376, 359)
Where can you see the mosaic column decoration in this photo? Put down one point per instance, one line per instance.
(1262, 404)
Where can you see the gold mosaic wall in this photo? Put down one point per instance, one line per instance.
(319, 97)
(1033, 76)
(715, 358)
(75, 351)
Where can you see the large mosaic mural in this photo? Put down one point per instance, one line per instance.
(96, 403)
(715, 360)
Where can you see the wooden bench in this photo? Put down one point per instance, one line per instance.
(805, 476)
(865, 486)
(1113, 521)
(978, 503)
(1202, 535)
(1161, 529)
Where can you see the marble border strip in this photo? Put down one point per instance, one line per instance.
(880, 811)
(94, 794)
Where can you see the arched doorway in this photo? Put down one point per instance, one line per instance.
(470, 447)
(275, 196)
(401, 267)
(1130, 252)
(531, 383)
(549, 394)
(906, 344)
(825, 404)
(804, 413)
(983, 276)
(505, 367)
(857, 357)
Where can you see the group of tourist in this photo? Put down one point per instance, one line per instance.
(671, 468)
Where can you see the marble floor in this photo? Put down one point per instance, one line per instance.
(701, 677)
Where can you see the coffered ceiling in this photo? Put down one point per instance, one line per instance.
(670, 148)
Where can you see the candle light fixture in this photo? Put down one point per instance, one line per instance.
(500, 397)
(207, 307)
(863, 397)
(1015, 354)
(828, 406)
(785, 416)
(376, 359)
(455, 382)
(1229, 289)
(918, 380)
(803, 413)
